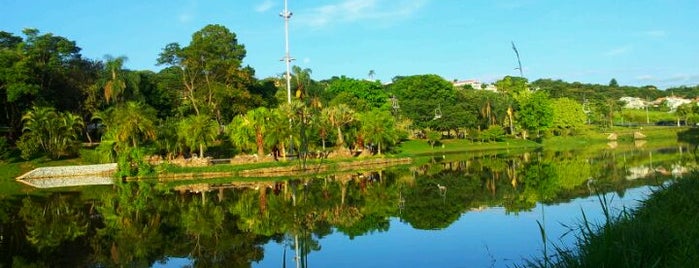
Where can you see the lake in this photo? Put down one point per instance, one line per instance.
(481, 209)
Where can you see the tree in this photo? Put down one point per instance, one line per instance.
(339, 116)
(302, 80)
(567, 114)
(131, 123)
(115, 85)
(56, 133)
(535, 113)
(41, 70)
(210, 66)
(248, 131)
(360, 95)
(197, 131)
(684, 111)
(421, 95)
(378, 126)
(613, 83)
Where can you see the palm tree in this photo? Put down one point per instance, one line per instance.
(278, 130)
(378, 127)
(339, 116)
(36, 121)
(250, 128)
(371, 75)
(198, 130)
(132, 123)
(115, 85)
(55, 132)
(303, 79)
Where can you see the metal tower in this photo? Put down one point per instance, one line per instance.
(286, 14)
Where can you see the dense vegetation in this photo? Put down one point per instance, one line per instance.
(661, 233)
(204, 102)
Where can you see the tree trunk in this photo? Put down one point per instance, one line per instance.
(340, 139)
(260, 144)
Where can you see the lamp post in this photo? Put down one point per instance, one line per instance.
(286, 14)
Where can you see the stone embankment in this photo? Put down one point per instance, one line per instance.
(64, 176)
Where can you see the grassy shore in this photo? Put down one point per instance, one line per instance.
(411, 148)
(662, 232)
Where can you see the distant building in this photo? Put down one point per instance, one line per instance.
(475, 84)
(672, 102)
(634, 103)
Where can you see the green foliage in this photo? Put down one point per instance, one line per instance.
(493, 133)
(197, 131)
(378, 127)
(131, 123)
(360, 95)
(433, 137)
(535, 112)
(5, 149)
(133, 163)
(248, 131)
(661, 233)
(55, 133)
(54, 223)
(516, 87)
(28, 146)
(568, 115)
(421, 95)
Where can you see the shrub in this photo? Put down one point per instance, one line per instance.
(4, 148)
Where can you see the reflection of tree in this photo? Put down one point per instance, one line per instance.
(427, 208)
(137, 224)
(132, 233)
(51, 223)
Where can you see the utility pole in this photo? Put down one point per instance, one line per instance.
(286, 14)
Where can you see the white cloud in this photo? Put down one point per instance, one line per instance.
(306, 60)
(185, 17)
(618, 51)
(355, 10)
(654, 33)
(264, 6)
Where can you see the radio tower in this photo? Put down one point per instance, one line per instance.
(286, 14)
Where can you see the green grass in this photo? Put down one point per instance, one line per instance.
(14, 167)
(661, 233)
(421, 147)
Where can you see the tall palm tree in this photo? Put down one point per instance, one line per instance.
(198, 130)
(303, 79)
(115, 85)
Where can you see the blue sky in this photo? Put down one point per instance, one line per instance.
(642, 42)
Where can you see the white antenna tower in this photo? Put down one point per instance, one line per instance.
(286, 14)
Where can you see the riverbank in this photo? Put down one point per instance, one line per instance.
(661, 233)
(414, 149)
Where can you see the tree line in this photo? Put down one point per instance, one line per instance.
(54, 100)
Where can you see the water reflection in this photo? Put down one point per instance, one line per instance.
(434, 206)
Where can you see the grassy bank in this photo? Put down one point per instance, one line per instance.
(411, 148)
(661, 233)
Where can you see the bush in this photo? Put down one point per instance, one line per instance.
(433, 137)
(29, 146)
(4, 148)
(493, 133)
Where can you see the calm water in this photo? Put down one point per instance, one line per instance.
(456, 210)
